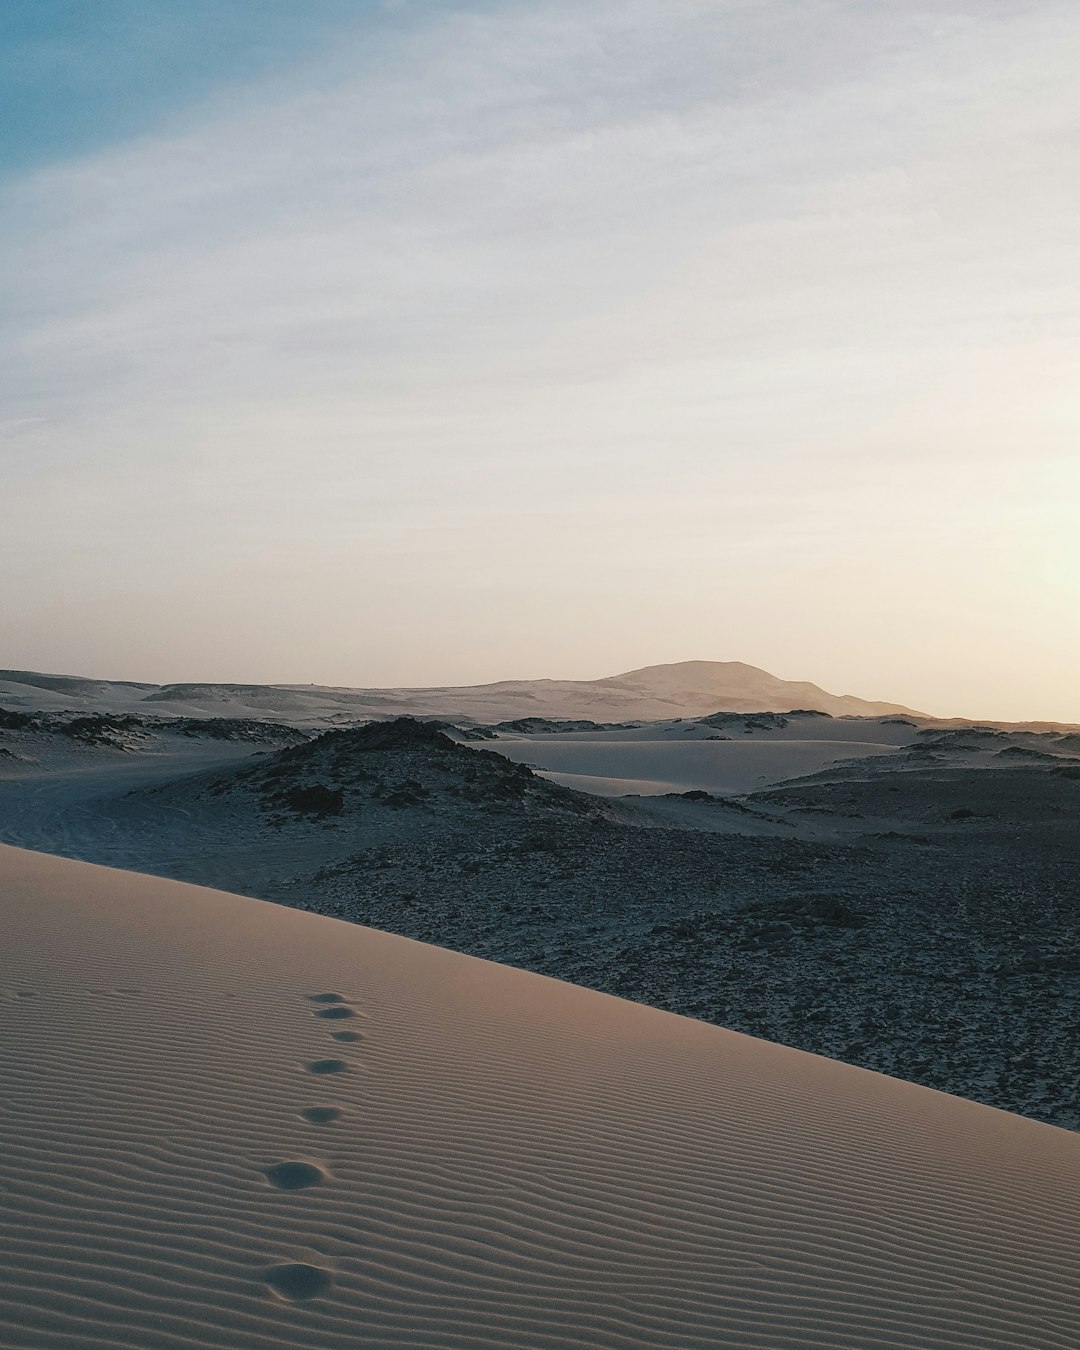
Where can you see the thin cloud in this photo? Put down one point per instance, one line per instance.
(459, 272)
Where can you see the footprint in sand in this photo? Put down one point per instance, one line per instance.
(294, 1176)
(321, 1115)
(297, 1281)
(327, 1066)
(334, 1010)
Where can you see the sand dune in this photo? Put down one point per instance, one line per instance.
(684, 688)
(228, 1124)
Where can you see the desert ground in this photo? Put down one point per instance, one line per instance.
(231, 1123)
(893, 891)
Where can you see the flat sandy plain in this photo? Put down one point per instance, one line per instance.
(686, 755)
(231, 1124)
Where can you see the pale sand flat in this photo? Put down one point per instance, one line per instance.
(616, 764)
(490, 1158)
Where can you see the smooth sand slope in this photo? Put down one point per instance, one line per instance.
(510, 1161)
(664, 757)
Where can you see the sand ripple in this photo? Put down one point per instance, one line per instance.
(498, 1160)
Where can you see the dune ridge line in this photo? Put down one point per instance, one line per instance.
(498, 1159)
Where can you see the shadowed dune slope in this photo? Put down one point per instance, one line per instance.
(230, 1124)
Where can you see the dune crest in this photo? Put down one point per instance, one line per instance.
(493, 1159)
(683, 688)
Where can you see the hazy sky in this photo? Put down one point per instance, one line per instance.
(395, 343)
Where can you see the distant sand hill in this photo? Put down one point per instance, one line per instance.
(688, 688)
(227, 1124)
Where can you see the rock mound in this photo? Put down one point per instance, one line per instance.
(394, 766)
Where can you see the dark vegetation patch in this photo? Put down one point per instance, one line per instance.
(98, 729)
(1026, 752)
(399, 765)
(553, 726)
(313, 800)
(240, 729)
(409, 793)
(747, 722)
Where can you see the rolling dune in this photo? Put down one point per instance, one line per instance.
(227, 1124)
(687, 687)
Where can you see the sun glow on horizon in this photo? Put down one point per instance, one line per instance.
(427, 344)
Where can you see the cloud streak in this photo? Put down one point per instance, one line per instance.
(542, 292)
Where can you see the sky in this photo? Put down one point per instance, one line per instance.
(430, 343)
